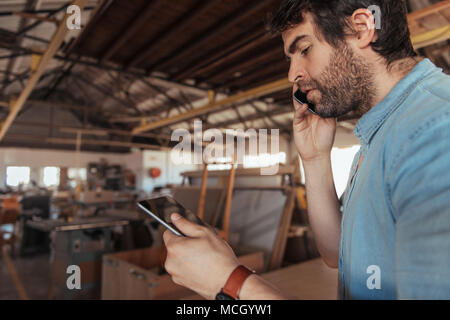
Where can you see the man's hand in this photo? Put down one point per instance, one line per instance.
(313, 135)
(201, 261)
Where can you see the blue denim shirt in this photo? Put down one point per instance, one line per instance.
(395, 241)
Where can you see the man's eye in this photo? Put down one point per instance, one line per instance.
(305, 52)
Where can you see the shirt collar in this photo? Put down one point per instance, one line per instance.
(369, 124)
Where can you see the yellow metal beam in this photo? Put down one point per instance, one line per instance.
(51, 50)
(210, 107)
(429, 38)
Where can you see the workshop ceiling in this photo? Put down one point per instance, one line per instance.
(221, 45)
(140, 61)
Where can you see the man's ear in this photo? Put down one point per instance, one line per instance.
(363, 23)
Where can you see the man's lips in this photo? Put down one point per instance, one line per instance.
(305, 91)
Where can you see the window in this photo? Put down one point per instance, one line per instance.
(17, 175)
(222, 163)
(73, 172)
(341, 162)
(50, 176)
(264, 160)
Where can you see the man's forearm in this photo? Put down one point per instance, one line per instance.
(256, 288)
(323, 209)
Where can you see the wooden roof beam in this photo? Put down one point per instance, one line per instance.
(173, 30)
(435, 8)
(91, 131)
(138, 23)
(99, 12)
(51, 50)
(275, 54)
(252, 117)
(109, 143)
(35, 17)
(217, 105)
(42, 103)
(190, 48)
(243, 42)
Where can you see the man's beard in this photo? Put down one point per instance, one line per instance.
(345, 85)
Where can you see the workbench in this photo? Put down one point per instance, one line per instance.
(48, 225)
(81, 242)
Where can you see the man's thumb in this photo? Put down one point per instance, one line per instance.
(187, 227)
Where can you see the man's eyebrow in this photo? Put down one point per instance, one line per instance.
(293, 46)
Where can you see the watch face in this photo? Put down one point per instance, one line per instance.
(223, 296)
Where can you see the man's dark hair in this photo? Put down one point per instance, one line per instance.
(331, 19)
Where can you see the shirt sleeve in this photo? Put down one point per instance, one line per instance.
(419, 183)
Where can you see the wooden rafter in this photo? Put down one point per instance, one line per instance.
(35, 17)
(240, 97)
(235, 47)
(138, 23)
(430, 25)
(42, 103)
(91, 142)
(98, 13)
(192, 47)
(252, 117)
(109, 143)
(52, 48)
(174, 29)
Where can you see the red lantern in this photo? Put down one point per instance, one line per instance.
(155, 172)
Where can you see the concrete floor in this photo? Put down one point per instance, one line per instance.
(34, 272)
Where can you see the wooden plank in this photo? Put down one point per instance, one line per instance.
(35, 17)
(88, 131)
(428, 19)
(42, 103)
(201, 200)
(280, 242)
(436, 8)
(52, 48)
(104, 132)
(256, 172)
(227, 210)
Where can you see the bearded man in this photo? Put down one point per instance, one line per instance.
(396, 208)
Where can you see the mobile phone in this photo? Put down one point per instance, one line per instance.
(300, 97)
(161, 208)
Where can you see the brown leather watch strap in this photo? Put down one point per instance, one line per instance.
(236, 280)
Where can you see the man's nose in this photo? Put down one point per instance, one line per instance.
(296, 72)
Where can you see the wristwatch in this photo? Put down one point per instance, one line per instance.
(234, 284)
